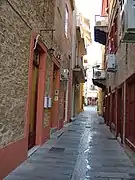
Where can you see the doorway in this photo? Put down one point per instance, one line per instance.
(33, 101)
(120, 115)
(130, 113)
(108, 111)
(113, 112)
(55, 97)
(66, 103)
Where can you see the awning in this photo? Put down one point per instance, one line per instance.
(100, 36)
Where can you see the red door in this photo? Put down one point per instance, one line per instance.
(120, 107)
(108, 110)
(130, 126)
(113, 110)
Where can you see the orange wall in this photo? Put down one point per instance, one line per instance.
(104, 6)
(10, 158)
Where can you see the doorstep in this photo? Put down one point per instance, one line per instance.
(58, 133)
(32, 150)
(73, 119)
(130, 153)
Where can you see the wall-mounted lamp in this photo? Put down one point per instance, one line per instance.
(36, 42)
(51, 51)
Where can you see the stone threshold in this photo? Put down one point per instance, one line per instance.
(32, 151)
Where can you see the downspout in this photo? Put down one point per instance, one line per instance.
(124, 99)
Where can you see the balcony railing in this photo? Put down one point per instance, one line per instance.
(99, 77)
(101, 29)
(79, 70)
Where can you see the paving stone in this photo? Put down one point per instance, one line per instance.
(85, 151)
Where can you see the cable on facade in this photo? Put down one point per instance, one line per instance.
(18, 14)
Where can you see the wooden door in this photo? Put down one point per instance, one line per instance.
(131, 112)
(53, 96)
(33, 103)
(108, 110)
(120, 115)
(64, 99)
(113, 112)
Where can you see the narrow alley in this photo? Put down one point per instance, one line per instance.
(86, 150)
(67, 89)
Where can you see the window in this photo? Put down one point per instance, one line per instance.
(66, 20)
(113, 43)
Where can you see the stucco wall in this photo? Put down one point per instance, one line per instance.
(62, 43)
(125, 58)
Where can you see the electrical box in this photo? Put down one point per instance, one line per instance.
(45, 102)
(49, 102)
(111, 62)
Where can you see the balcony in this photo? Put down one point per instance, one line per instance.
(99, 77)
(101, 29)
(80, 34)
(79, 73)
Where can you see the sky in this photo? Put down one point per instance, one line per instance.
(90, 8)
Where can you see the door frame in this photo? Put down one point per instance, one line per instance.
(41, 90)
(54, 121)
(120, 113)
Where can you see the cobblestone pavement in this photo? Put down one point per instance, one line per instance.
(85, 151)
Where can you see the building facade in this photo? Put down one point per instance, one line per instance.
(36, 76)
(78, 74)
(119, 64)
(81, 40)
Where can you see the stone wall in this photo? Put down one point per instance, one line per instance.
(14, 55)
(47, 112)
(18, 19)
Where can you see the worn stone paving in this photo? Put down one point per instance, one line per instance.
(86, 151)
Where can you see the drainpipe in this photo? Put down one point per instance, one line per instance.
(124, 94)
(124, 118)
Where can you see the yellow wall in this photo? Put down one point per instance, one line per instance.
(79, 99)
(100, 92)
(100, 101)
(81, 96)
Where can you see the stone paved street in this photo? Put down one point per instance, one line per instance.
(85, 151)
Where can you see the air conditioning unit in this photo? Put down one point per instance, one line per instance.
(111, 62)
(99, 74)
(128, 22)
(64, 75)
